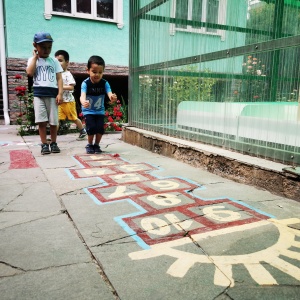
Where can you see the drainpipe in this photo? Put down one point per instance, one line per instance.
(3, 66)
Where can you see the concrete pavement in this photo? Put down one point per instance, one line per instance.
(130, 224)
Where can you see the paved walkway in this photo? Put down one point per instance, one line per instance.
(130, 224)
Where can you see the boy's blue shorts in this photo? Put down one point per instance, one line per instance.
(94, 124)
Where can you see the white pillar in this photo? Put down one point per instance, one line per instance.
(3, 66)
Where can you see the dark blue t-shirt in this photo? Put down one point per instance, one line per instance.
(95, 94)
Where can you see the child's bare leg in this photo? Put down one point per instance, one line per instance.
(43, 132)
(78, 124)
(96, 145)
(90, 139)
(58, 125)
(53, 133)
(98, 138)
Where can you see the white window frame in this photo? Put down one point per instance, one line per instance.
(118, 12)
(221, 19)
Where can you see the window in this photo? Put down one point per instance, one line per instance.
(102, 10)
(210, 11)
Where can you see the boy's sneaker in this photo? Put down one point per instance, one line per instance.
(45, 149)
(97, 149)
(89, 149)
(54, 148)
(82, 134)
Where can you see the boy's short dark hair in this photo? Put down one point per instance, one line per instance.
(64, 53)
(95, 59)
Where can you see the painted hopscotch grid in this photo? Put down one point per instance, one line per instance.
(168, 210)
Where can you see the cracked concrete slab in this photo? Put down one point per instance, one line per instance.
(95, 222)
(9, 219)
(266, 292)
(22, 176)
(59, 177)
(55, 162)
(7, 270)
(35, 197)
(295, 226)
(144, 278)
(43, 243)
(77, 281)
(9, 192)
(279, 207)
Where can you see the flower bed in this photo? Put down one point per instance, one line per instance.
(115, 116)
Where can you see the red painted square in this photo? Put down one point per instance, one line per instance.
(22, 159)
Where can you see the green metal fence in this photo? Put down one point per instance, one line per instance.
(222, 72)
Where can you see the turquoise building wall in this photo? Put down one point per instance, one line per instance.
(80, 37)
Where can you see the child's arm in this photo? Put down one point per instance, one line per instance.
(69, 82)
(83, 100)
(30, 70)
(112, 97)
(59, 97)
(69, 87)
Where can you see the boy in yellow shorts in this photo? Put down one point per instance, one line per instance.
(67, 109)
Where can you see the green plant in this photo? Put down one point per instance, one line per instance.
(160, 95)
(191, 86)
(25, 117)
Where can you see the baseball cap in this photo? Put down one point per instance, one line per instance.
(41, 37)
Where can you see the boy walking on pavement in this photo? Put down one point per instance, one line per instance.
(93, 90)
(67, 110)
(47, 89)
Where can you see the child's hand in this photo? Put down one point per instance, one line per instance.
(59, 99)
(85, 104)
(35, 53)
(113, 98)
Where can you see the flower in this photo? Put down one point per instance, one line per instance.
(25, 116)
(253, 86)
(21, 90)
(115, 116)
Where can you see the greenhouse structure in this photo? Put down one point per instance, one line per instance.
(219, 72)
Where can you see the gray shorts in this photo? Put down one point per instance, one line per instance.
(45, 110)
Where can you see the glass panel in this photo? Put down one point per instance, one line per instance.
(212, 13)
(181, 12)
(240, 92)
(260, 18)
(197, 12)
(84, 6)
(63, 6)
(105, 9)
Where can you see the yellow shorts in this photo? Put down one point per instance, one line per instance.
(67, 110)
